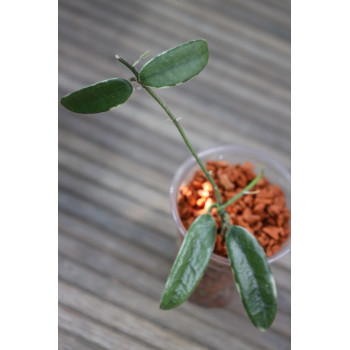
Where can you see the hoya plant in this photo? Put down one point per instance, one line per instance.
(250, 267)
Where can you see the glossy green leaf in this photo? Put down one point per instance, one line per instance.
(176, 65)
(253, 276)
(191, 262)
(98, 98)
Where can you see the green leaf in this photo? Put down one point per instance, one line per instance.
(98, 98)
(176, 65)
(191, 262)
(253, 276)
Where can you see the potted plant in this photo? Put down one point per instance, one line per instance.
(214, 222)
(256, 211)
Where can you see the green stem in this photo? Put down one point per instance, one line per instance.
(240, 194)
(130, 66)
(187, 142)
(178, 126)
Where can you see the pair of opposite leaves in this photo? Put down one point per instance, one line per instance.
(170, 68)
(250, 267)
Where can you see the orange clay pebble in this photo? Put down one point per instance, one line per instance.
(263, 213)
(203, 193)
(225, 181)
(207, 186)
(200, 202)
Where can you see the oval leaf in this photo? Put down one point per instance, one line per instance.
(191, 262)
(253, 276)
(98, 98)
(176, 65)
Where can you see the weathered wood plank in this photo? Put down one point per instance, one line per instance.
(174, 14)
(140, 151)
(124, 206)
(96, 333)
(111, 222)
(113, 244)
(122, 320)
(115, 182)
(69, 341)
(114, 161)
(247, 15)
(189, 319)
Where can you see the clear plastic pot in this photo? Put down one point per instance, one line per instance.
(217, 287)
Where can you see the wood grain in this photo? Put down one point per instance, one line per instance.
(116, 233)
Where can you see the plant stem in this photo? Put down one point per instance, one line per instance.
(178, 126)
(130, 66)
(187, 142)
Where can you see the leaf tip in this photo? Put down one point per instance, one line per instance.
(166, 305)
(163, 307)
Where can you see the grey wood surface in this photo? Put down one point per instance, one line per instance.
(116, 234)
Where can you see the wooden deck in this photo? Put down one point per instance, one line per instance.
(116, 233)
